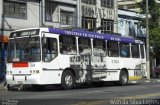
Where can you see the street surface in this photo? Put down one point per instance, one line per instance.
(87, 95)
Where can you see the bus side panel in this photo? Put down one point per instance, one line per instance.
(52, 71)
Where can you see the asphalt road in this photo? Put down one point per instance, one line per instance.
(108, 94)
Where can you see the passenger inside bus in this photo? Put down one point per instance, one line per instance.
(46, 53)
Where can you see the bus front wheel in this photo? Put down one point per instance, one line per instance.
(67, 80)
(123, 79)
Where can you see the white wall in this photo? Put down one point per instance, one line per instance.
(31, 21)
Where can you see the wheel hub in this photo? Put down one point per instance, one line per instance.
(68, 80)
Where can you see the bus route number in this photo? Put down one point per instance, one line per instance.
(115, 61)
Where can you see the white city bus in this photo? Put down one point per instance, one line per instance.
(46, 56)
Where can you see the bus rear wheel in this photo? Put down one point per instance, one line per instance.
(123, 79)
(67, 80)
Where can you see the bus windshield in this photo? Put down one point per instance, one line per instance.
(25, 49)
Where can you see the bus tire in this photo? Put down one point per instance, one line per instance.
(123, 79)
(68, 80)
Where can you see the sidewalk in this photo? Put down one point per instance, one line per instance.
(153, 80)
(2, 87)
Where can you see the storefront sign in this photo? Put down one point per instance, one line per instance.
(93, 11)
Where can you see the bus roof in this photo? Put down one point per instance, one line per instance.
(87, 34)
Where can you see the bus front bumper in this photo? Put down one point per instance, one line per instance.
(22, 79)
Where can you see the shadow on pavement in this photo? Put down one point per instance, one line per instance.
(58, 87)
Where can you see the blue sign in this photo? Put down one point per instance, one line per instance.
(87, 34)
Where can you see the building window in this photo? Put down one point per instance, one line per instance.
(92, 2)
(107, 3)
(15, 9)
(66, 18)
(49, 11)
(88, 23)
(107, 26)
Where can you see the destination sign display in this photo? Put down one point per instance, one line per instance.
(24, 33)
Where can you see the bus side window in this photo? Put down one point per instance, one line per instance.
(113, 49)
(142, 51)
(125, 50)
(49, 49)
(68, 45)
(99, 48)
(84, 46)
(135, 51)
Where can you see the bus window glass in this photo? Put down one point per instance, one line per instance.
(124, 50)
(68, 45)
(113, 49)
(142, 51)
(84, 46)
(99, 48)
(49, 49)
(24, 49)
(135, 51)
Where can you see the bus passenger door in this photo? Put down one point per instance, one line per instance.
(50, 57)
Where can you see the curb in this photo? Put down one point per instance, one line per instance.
(150, 80)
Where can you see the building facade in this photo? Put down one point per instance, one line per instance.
(15, 14)
(99, 15)
(129, 5)
(129, 24)
(60, 13)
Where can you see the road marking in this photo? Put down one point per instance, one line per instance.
(94, 92)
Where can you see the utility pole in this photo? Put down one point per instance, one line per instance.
(42, 13)
(78, 12)
(2, 44)
(147, 43)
